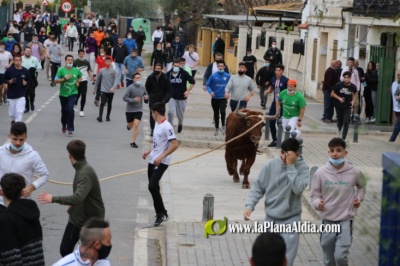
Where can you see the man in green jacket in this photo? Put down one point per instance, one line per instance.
(85, 202)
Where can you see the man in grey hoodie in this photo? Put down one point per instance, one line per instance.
(282, 180)
(109, 80)
(337, 191)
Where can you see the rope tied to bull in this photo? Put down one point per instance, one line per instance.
(262, 118)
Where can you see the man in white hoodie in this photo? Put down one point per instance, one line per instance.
(282, 181)
(336, 192)
(19, 157)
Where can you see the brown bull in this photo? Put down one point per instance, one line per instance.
(245, 147)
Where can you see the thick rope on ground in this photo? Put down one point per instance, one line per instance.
(175, 163)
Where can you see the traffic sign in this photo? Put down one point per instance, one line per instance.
(45, 2)
(66, 6)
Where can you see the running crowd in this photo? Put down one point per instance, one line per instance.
(111, 62)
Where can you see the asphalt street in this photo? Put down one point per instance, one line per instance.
(127, 200)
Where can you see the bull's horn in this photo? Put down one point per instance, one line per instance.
(241, 114)
(237, 107)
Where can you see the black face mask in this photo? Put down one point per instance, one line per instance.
(104, 251)
(241, 72)
(157, 72)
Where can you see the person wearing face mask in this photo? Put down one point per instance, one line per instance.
(82, 36)
(95, 245)
(168, 56)
(71, 33)
(107, 43)
(140, 39)
(19, 157)
(86, 201)
(240, 87)
(84, 67)
(213, 68)
(38, 50)
(282, 181)
(273, 54)
(28, 34)
(337, 190)
(133, 97)
(99, 36)
(182, 36)
(132, 65)
(130, 43)
(293, 104)
(177, 47)
(69, 77)
(263, 76)
(157, 37)
(100, 64)
(355, 79)
(38, 24)
(179, 79)
(216, 88)
(10, 42)
(91, 45)
(55, 52)
(157, 57)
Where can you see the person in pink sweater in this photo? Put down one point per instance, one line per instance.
(337, 190)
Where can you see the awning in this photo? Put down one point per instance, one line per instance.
(289, 10)
(244, 18)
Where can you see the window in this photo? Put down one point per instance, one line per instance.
(282, 44)
(335, 50)
(298, 46)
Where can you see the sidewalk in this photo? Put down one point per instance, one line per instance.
(185, 185)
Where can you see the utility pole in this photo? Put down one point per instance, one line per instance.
(89, 5)
(11, 10)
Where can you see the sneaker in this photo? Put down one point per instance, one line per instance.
(100, 119)
(223, 130)
(263, 107)
(133, 145)
(81, 114)
(372, 120)
(75, 108)
(179, 128)
(70, 133)
(32, 107)
(272, 144)
(52, 84)
(108, 119)
(160, 218)
(326, 120)
(127, 127)
(118, 87)
(49, 78)
(216, 132)
(367, 120)
(122, 84)
(63, 130)
(96, 102)
(151, 133)
(26, 111)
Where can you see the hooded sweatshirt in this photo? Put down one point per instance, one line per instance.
(338, 189)
(282, 187)
(26, 163)
(21, 227)
(108, 79)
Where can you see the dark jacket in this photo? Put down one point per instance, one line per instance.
(330, 79)
(28, 34)
(86, 201)
(371, 77)
(157, 57)
(208, 73)
(179, 83)
(169, 34)
(107, 43)
(219, 46)
(119, 53)
(159, 89)
(276, 56)
(140, 37)
(21, 234)
(168, 55)
(178, 48)
(264, 75)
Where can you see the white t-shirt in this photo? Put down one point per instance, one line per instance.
(47, 43)
(396, 104)
(189, 61)
(163, 133)
(74, 259)
(4, 61)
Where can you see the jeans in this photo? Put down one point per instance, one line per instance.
(219, 107)
(396, 129)
(98, 91)
(272, 123)
(69, 240)
(67, 111)
(106, 97)
(54, 68)
(233, 104)
(263, 97)
(71, 41)
(154, 174)
(343, 115)
(82, 91)
(119, 67)
(369, 106)
(328, 105)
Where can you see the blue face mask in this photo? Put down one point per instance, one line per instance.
(138, 83)
(336, 162)
(176, 69)
(12, 146)
(221, 70)
(267, 64)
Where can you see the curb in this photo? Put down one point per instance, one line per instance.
(171, 234)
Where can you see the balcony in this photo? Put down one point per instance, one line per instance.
(376, 8)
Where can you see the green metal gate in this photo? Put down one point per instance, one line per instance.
(386, 57)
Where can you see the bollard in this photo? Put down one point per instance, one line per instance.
(266, 136)
(208, 207)
(280, 131)
(287, 131)
(293, 134)
(300, 140)
(356, 120)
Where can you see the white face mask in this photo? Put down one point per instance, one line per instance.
(69, 65)
(274, 46)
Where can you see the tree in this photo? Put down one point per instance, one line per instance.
(134, 8)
